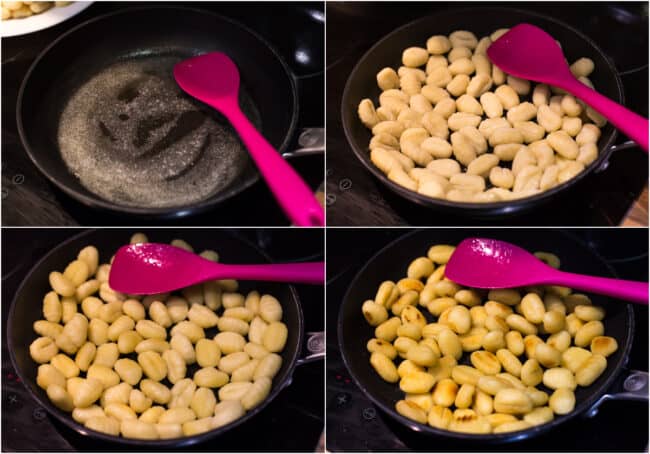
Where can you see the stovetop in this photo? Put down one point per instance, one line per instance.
(354, 423)
(356, 197)
(293, 421)
(295, 30)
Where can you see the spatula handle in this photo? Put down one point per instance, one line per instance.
(633, 125)
(299, 273)
(636, 292)
(291, 192)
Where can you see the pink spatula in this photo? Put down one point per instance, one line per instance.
(214, 79)
(487, 263)
(529, 52)
(148, 268)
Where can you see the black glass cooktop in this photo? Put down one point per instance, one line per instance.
(295, 30)
(356, 197)
(354, 423)
(293, 421)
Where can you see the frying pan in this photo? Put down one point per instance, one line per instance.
(269, 89)
(26, 308)
(481, 21)
(391, 263)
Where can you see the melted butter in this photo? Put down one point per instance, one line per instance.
(132, 137)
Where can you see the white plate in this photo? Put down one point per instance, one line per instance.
(53, 16)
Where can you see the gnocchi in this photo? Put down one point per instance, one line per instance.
(156, 367)
(451, 94)
(477, 362)
(19, 10)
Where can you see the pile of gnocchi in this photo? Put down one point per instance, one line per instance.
(508, 139)
(19, 10)
(479, 367)
(119, 363)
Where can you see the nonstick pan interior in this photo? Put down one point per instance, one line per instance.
(27, 308)
(145, 124)
(481, 21)
(391, 263)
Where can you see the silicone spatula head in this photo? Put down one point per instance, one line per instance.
(488, 263)
(529, 52)
(209, 77)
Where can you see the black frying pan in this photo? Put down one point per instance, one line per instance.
(390, 264)
(270, 93)
(481, 21)
(26, 308)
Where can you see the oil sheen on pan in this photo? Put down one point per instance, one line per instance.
(133, 138)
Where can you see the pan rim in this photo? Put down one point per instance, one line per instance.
(506, 437)
(66, 418)
(95, 201)
(506, 207)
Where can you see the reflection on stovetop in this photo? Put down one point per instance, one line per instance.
(298, 410)
(356, 197)
(295, 30)
(355, 424)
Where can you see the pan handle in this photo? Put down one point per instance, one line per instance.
(629, 143)
(614, 148)
(315, 348)
(634, 386)
(311, 141)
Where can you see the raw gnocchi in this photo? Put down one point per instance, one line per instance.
(451, 94)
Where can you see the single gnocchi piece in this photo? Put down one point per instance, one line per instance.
(582, 67)
(210, 377)
(411, 410)
(479, 84)
(43, 349)
(384, 367)
(387, 79)
(128, 370)
(414, 57)
(203, 316)
(176, 366)
(463, 38)
(227, 412)
(257, 393)
(104, 424)
(275, 337)
(195, 332)
(138, 429)
(562, 401)
(268, 366)
(155, 345)
(491, 105)
(603, 345)
(183, 345)
(438, 45)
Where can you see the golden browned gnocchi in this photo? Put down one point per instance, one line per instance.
(482, 361)
(161, 366)
(449, 114)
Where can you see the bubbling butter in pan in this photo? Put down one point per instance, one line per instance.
(133, 138)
